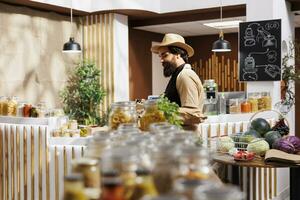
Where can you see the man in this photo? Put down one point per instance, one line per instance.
(185, 87)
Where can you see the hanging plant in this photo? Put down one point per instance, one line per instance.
(290, 75)
(83, 94)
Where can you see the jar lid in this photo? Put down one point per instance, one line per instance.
(85, 162)
(74, 177)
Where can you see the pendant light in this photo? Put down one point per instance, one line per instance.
(71, 46)
(221, 45)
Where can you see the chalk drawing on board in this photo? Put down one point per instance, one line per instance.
(272, 70)
(266, 38)
(250, 76)
(272, 56)
(272, 25)
(249, 37)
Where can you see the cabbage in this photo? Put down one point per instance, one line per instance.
(295, 141)
(224, 144)
(290, 144)
(258, 146)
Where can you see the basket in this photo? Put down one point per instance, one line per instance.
(275, 111)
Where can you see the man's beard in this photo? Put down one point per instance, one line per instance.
(169, 68)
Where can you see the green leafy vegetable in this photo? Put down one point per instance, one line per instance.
(170, 110)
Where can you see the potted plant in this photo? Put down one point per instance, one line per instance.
(290, 75)
(83, 94)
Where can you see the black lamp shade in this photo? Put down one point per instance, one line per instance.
(221, 45)
(71, 46)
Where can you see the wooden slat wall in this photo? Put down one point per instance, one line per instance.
(223, 71)
(98, 46)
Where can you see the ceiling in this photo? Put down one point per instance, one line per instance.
(194, 28)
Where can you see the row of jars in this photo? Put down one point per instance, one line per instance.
(127, 164)
(11, 106)
(255, 102)
(126, 112)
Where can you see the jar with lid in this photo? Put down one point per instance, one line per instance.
(165, 169)
(194, 163)
(211, 88)
(123, 161)
(74, 188)
(265, 101)
(245, 106)
(41, 109)
(90, 170)
(97, 145)
(234, 106)
(112, 186)
(122, 112)
(151, 115)
(33, 111)
(12, 105)
(26, 110)
(253, 100)
(73, 124)
(3, 105)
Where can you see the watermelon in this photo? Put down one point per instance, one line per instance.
(261, 126)
(252, 132)
(272, 136)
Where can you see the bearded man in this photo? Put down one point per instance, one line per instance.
(185, 87)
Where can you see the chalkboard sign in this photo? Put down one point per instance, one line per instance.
(260, 51)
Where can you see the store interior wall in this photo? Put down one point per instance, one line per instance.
(32, 64)
(140, 62)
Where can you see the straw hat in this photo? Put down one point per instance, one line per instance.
(172, 39)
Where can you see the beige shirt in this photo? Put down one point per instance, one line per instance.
(191, 93)
(190, 89)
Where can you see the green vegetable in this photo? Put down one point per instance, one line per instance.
(83, 94)
(258, 146)
(170, 110)
(224, 144)
(253, 133)
(272, 136)
(261, 126)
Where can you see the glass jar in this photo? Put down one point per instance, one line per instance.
(97, 145)
(33, 111)
(123, 161)
(265, 101)
(122, 112)
(234, 106)
(194, 163)
(151, 115)
(210, 88)
(245, 106)
(73, 124)
(26, 110)
(73, 187)
(3, 106)
(253, 100)
(12, 105)
(41, 109)
(90, 170)
(112, 186)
